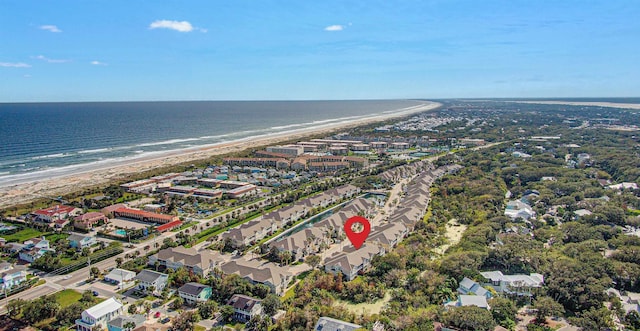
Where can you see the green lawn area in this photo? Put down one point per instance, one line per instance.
(55, 237)
(200, 328)
(22, 235)
(67, 297)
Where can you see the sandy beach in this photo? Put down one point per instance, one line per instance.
(71, 180)
(575, 103)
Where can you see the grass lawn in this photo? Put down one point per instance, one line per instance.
(67, 297)
(55, 237)
(200, 328)
(22, 235)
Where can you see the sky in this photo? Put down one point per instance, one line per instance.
(313, 50)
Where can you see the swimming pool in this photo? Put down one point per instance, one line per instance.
(121, 232)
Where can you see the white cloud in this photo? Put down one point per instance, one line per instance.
(14, 65)
(98, 63)
(51, 28)
(182, 26)
(46, 59)
(336, 27)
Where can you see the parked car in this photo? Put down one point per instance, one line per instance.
(156, 315)
(165, 320)
(95, 293)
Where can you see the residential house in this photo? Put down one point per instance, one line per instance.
(201, 263)
(79, 241)
(245, 307)
(193, 293)
(152, 327)
(34, 249)
(11, 275)
(521, 285)
(118, 323)
(630, 300)
(469, 287)
(518, 209)
(469, 300)
(89, 220)
(256, 272)
(98, 316)
(152, 282)
(351, 262)
(120, 277)
(332, 324)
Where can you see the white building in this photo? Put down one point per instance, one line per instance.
(518, 209)
(120, 277)
(96, 317)
(151, 281)
(521, 285)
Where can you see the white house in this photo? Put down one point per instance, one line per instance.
(469, 300)
(79, 241)
(11, 276)
(120, 277)
(96, 317)
(521, 285)
(149, 280)
(518, 209)
(34, 249)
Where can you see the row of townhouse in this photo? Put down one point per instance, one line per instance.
(259, 272)
(309, 241)
(351, 262)
(207, 262)
(201, 263)
(265, 225)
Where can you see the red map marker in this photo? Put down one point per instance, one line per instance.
(357, 238)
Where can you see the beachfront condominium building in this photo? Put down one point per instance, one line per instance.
(290, 150)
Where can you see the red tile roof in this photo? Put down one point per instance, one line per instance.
(168, 226)
(55, 210)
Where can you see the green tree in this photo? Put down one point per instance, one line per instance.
(15, 307)
(503, 311)
(119, 261)
(227, 312)
(259, 323)
(271, 304)
(133, 308)
(95, 272)
(313, 260)
(207, 309)
(186, 321)
(545, 307)
(470, 318)
(67, 315)
(177, 303)
(594, 319)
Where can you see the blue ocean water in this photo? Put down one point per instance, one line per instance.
(41, 137)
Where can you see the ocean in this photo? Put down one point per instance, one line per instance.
(37, 139)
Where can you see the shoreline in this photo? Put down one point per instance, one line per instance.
(578, 103)
(71, 180)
